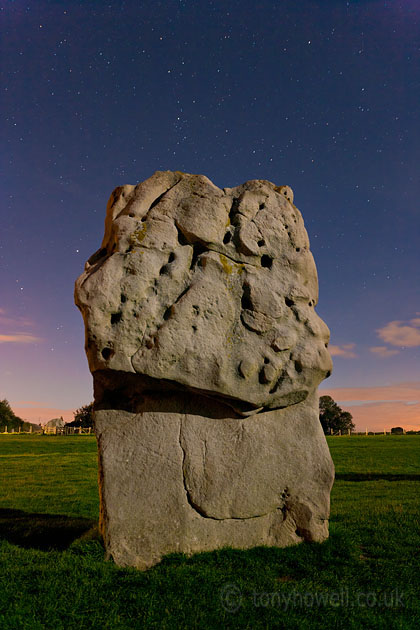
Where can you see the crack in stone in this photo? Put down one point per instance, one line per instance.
(160, 197)
(194, 506)
(97, 264)
(132, 199)
(238, 262)
(210, 249)
(184, 482)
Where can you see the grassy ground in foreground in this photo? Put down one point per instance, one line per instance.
(364, 576)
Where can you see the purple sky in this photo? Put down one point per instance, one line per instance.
(322, 96)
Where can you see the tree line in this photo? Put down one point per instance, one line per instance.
(10, 420)
(333, 419)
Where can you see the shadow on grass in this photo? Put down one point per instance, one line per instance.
(287, 564)
(43, 531)
(376, 477)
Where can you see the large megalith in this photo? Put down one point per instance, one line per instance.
(206, 354)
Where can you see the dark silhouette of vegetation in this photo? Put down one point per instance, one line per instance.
(397, 430)
(9, 420)
(83, 417)
(333, 418)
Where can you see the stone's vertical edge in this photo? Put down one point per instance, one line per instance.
(102, 502)
(141, 485)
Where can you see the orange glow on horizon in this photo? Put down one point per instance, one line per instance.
(380, 408)
(41, 415)
(376, 408)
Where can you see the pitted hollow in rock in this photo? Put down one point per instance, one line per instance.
(212, 289)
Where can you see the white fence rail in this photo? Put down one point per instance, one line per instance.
(51, 431)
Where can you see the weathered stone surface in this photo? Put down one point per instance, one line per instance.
(175, 480)
(206, 353)
(192, 282)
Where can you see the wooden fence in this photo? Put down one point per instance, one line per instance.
(51, 431)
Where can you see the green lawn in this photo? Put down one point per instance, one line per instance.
(382, 456)
(365, 576)
(49, 474)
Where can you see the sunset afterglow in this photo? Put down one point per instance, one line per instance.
(323, 97)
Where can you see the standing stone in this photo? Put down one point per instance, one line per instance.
(206, 353)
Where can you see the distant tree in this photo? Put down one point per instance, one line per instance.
(83, 417)
(8, 418)
(397, 430)
(333, 418)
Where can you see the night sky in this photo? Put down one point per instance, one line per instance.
(323, 96)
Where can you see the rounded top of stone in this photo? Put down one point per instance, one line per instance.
(212, 289)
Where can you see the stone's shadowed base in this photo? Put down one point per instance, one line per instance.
(182, 474)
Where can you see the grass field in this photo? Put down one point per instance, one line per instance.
(365, 576)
